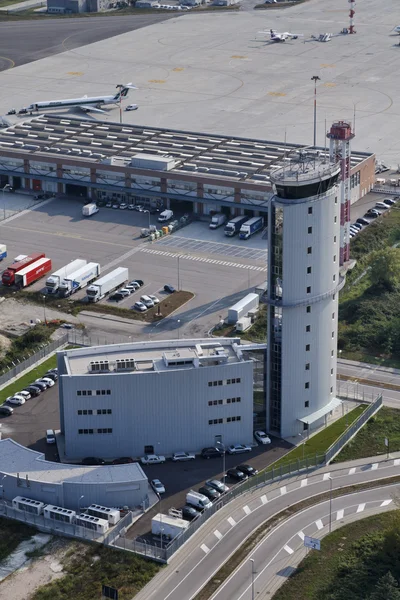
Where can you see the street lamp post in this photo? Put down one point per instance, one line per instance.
(2, 488)
(148, 212)
(119, 87)
(330, 504)
(178, 274)
(6, 187)
(223, 458)
(44, 309)
(303, 442)
(79, 504)
(315, 78)
(252, 578)
(179, 326)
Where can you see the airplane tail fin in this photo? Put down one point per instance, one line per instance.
(123, 92)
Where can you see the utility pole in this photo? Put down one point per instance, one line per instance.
(315, 78)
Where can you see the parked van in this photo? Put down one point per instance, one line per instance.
(198, 500)
(50, 436)
(147, 301)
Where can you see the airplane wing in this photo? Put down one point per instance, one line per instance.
(91, 109)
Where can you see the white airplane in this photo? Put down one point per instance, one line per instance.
(397, 29)
(86, 103)
(281, 37)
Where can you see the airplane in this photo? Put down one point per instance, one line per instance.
(397, 29)
(281, 37)
(86, 103)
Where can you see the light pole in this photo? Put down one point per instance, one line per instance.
(6, 187)
(2, 488)
(303, 442)
(79, 504)
(119, 87)
(44, 309)
(178, 274)
(252, 578)
(179, 326)
(148, 212)
(315, 78)
(223, 458)
(330, 503)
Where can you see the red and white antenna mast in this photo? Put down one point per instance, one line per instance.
(351, 15)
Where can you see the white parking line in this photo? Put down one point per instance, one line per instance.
(360, 507)
(319, 524)
(212, 261)
(339, 514)
(231, 521)
(326, 477)
(205, 548)
(246, 509)
(304, 482)
(264, 499)
(288, 549)
(352, 471)
(374, 466)
(386, 503)
(301, 535)
(283, 490)
(396, 462)
(218, 534)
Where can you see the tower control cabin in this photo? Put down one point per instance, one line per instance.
(303, 287)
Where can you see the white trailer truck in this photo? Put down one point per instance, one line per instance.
(107, 284)
(90, 209)
(53, 282)
(168, 527)
(79, 279)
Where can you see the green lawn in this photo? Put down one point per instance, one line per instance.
(320, 442)
(367, 357)
(351, 561)
(25, 380)
(370, 440)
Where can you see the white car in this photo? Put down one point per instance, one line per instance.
(140, 306)
(157, 486)
(152, 459)
(131, 288)
(154, 298)
(49, 382)
(147, 301)
(123, 206)
(17, 400)
(183, 456)
(131, 107)
(24, 394)
(133, 284)
(125, 292)
(238, 448)
(262, 437)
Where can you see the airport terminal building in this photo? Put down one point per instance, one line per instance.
(162, 397)
(194, 172)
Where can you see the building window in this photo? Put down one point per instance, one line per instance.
(78, 393)
(228, 381)
(333, 315)
(215, 421)
(220, 382)
(334, 239)
(309, 230)
(306, 404)
(331, 371)
(310, 210)
(331, 390)
(307, 385)
(308, 328)
(333, 334)
(308, 309)
(210, 384)
(308, 270)
(335, 199)
(335, 220)
(83, 392)
(334, 258)
(332, 352)
(307, 366)
(309, 250)
(309, 289)
(307, 347)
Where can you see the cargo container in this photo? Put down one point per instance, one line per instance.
(8, 277)
(79, 279)
(233, 226)
(90, 209)
(53, 282)
(168, 527)
(250, 227)
(107, 284)
(3, 251)
(32, 273)
(241, 308)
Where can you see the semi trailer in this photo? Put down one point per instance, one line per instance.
(53, 282)
(3, 251)
(8, 276)
(233, 226)
(79, 279)
(107, 284)
(251, 227)
(32, 273)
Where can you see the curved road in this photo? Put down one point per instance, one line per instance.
(223, 533)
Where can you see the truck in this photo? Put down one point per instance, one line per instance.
(233, 226)
(107, 284)
(79, 279)
(32, 273)
(53, 282)
(8, 276)
(90, 209)
(168, 527)
(3, 251)
(166, 215)
(217, 220)
(250, 227)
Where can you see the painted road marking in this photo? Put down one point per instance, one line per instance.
(283, 490)
(396, 462)
(246, 509)
(231, 521)
(264, 499)
(304, 482)
(288, 549)
(319, 524)
(326, 477)
(218, 534)
(340, 514)
(205, 548)
(386, 503)
(352, 471)
(374, 466)
(360, 507)
(223, 263)
(301, 535)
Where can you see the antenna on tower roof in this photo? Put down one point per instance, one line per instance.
(325, 148)
(354, 120)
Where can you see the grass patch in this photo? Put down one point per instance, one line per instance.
(367, 357)
(12, 533)
(23, 346)
(370, 440)
(28, 378)
(90, 566)
(256, 333)
(320, 442)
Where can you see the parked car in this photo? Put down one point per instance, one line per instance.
(357, 226)
(109, 205)
(131, 288)
(210, 493)
(157, 486)
(125, 460)
(131, 107)
(51, 375)
(139, 282)
(217, 485)
(247, 470)
(124, 292)
(49, 382)
(147, 301)
(17, 400)
(362, 221)
(262, 437)
(211, 452)
(92, 460)
(24, 394)
(238, 448)
(154, 298)
(169, 289)
(236, 474)
(116, 297)
(134, 284)
(115, 205)
(12, 111)
(382, 205)
(140, 306)
(183, 456)
(33, 390)
(389, 201)
(152, 459)
(50, 436)
(40, 384)
(189, 513)
(6, 411)
(373, 212)
(139, 207)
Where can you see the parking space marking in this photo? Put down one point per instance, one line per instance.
(396, 462)
(301, 535)
(205, 548)
(218, 534)
(352, 471)
(340, 514)
(288, 549)
(214, 247)
(283, 490)
(304, 482)
(319, 524)
(386, 503)
(326, 477)
(231, 521)
(246, 509)
(264, 499)
(223, 263)
(360, 507)
(374, 466)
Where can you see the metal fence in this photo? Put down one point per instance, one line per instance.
(355, 391)
(117, 530)
(33, 359)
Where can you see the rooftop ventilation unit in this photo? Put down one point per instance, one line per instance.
(99, 366)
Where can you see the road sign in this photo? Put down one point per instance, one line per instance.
(109, 592)
(311, 542)
(386, 442)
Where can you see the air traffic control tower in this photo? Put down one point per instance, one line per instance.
(303, 288)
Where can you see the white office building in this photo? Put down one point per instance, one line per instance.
(167, 396)
(303, 288)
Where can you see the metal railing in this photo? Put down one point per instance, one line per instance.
(125, 522)
(33, 359)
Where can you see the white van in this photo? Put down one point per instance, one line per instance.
(147, 301)
(50, 436)
(198, 500)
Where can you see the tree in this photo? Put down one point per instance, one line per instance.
(387, 588)
(385, 268)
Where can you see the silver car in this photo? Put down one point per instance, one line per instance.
(183, 456)
(238, 448)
